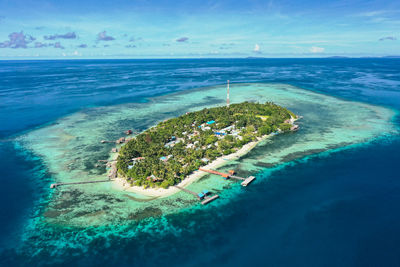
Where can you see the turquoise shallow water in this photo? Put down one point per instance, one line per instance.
(327, 195)
(70, 148)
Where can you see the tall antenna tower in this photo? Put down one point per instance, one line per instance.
(227, 96)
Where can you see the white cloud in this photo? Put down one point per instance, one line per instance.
(256, 48)
(372, 13)
(316, 49)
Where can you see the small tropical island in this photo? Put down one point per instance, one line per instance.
(166, 154)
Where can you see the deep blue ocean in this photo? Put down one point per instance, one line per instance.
(336, 210)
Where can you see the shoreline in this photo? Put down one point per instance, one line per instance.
(121, 184)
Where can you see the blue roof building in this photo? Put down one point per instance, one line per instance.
(210, 122)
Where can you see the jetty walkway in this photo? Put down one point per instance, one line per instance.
(230, 175)
(86, 182)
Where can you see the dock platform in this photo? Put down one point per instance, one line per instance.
(248, 180)
(209, 199)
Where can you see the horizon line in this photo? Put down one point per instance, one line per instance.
(184, 58)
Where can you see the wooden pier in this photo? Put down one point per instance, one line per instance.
(87, 182)
(200, 196)
(230, 175)
(187, 191)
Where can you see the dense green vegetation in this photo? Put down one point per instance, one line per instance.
(178, 146)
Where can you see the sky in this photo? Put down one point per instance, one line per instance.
(197, 29)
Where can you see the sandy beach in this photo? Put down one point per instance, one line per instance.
(122, 184)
